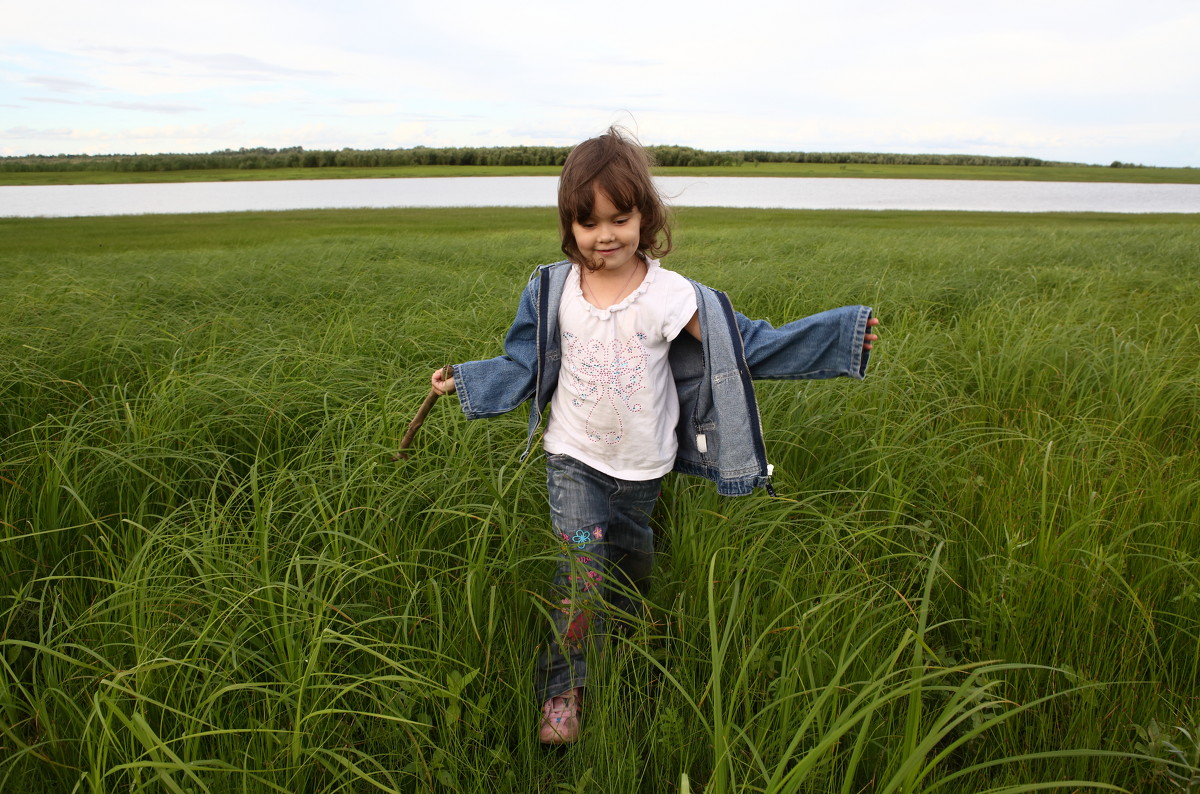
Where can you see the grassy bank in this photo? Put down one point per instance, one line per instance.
(981, 573)
(831, 170)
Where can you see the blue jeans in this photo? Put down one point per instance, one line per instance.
(603, 525)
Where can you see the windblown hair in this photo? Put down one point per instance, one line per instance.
(615, 164)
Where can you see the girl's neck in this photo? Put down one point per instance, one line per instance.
(606, 289)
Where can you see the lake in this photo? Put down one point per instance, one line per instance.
(752, 192)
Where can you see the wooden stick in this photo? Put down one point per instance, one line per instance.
(419, 419)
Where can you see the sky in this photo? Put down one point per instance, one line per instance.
(1091, 81)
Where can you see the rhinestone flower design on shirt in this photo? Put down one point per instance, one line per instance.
(605, 377)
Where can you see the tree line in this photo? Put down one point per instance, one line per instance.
(298, 157)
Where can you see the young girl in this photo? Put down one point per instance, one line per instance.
(645, 372)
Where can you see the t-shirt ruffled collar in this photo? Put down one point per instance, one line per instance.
(575, 286)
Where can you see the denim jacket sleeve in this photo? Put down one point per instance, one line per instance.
(720, 434)
(824, 345)
(497, 385)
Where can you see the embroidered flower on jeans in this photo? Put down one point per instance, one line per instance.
(590, 579)
(581, 537)
(577, 628)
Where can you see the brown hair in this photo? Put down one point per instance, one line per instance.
(615, 164)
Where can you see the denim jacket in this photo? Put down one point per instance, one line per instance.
(719, 432)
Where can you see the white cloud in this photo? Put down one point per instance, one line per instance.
(1073, 80)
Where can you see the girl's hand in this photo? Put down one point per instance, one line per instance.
(442, 384)
(870, 337)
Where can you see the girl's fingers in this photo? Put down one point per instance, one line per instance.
(869, 337)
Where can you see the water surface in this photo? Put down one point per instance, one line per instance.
(751, 192)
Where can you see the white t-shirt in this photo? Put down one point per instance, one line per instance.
(615, 407)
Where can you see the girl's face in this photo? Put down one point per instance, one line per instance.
(609, 237)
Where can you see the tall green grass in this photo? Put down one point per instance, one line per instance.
(980, 575)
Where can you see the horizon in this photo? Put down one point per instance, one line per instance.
(1076, 81)
(731, 151)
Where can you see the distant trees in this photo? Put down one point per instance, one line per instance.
(298, 157)
(685, 156)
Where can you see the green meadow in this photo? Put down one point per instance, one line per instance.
(981, 573)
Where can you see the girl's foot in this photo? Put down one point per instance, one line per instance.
(560, 718)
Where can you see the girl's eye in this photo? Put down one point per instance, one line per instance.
(621, 221)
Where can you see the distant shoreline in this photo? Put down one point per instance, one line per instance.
(1043, 173)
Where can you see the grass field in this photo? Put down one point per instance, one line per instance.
(982, 572)
(859, 170)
